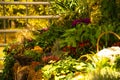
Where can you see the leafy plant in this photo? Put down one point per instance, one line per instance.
(81, 38)
(99, 68)
(104, 74)
(8, 68)
(47, 38)
(117, 63)
(8, 64)
(69, 10)
(33, 54)
(63, 69)
(13, 50)
(95, 61)
(109, 13)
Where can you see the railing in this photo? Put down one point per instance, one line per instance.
(5, 30)
(21, 17)
(24, 3)
(29, 17)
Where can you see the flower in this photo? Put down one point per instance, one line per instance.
(84, 44)
(109, 53)
(67, 48)
(75, 22)
(86, 20)
(82, 20)
(38, 49)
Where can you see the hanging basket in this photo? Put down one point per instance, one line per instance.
(108, 32)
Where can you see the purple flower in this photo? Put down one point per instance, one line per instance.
(75, 22)
(79, 21)
(86, 20)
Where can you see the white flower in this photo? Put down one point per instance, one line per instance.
(110, 52)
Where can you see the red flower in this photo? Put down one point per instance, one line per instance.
(81, 44)
(73, 48)
(64, 49)
(84, 43)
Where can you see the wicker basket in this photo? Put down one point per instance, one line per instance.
(108, 32)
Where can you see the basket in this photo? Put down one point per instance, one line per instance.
(108, 32)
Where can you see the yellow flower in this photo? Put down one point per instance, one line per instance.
(38, 49)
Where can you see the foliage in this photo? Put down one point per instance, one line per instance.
(95, 61)
(82, 38)
(111, 12)
(100, 68)
(94, 10)
(103, 11)
(73, 35)
(66, 68)
(8, 64)
(33, 54)
(29, 43)
(69, 10)
(104, 74)
(72, 40)
(14, 51)
(117, 63)
(47, 38)
(93, 68)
